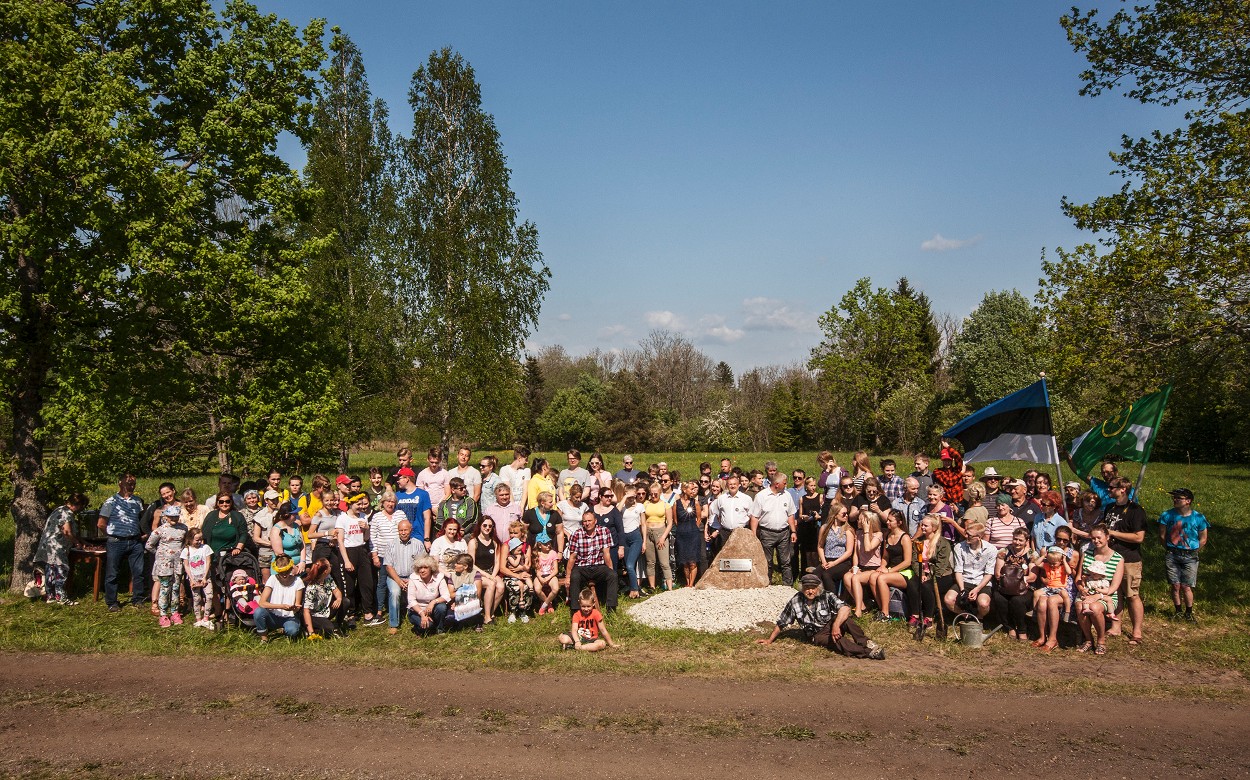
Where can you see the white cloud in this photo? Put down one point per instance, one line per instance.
(940, 243)
(663, 319)
(773, 314)
(613, 331)
(712, 327)
(565, 317)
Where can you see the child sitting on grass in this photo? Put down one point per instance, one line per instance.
(588, 631)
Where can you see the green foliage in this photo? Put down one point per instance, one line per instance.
(874, 342)
(144, 215)
(572, 419)
(351, 172)
(1165, 293)
(474, 278)
(1002, 347)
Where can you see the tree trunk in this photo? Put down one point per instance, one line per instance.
(26, 403)
(223, 452)
(344, 452)
(444, 427)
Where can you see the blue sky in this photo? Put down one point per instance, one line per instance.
(728, 170)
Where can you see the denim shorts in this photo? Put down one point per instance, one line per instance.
(1182, 566)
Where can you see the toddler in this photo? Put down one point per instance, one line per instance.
(588, 631)
(547, 576)
(168, 541)
(1096, 578)
(243, 593)
(195, 562)
(1055, 573)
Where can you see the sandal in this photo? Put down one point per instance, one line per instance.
(1039, 642)
(1086, 647)
(1100, 650)
(1135, 641)
(1046, 648)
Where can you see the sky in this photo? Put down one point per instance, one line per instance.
(728, 170)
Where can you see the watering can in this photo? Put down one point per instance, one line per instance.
(971, 630)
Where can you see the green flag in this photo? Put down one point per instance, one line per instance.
(1129, 434)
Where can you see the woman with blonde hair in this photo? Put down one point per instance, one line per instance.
(867, 557)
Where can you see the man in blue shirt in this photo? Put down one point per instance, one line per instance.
(1183, 533)
(415, 504)
(119, 519)
(911, 504)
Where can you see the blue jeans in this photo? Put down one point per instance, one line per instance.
(267, 621)
(382, 590)
(633, 551)
(132, 550)
(436, 619)
(396, 601)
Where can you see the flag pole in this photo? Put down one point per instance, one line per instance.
(1050, 420)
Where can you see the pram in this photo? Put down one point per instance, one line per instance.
(239, 609)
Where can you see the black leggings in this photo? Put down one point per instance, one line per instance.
(1010, 610)
(358, 586)
(929, 600)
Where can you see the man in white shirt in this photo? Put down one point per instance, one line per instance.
(974, 572)
(773, 521)
(470, 474)
(574, 474)
(516, 474)
(732, 511)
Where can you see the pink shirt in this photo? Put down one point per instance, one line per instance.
(435, 484)
(503, 515)
(423, 593)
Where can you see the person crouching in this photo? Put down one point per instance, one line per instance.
(825, 621)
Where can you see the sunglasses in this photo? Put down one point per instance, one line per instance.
(846, 485)
(1063, 540)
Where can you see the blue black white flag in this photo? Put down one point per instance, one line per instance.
(1016, 427)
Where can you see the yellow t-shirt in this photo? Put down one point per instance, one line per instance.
(538, 484)
(656, 513)
(310, 505)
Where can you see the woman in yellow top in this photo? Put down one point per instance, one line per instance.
(658, 520)
(540, 482)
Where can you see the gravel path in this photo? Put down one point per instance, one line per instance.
(712, 611)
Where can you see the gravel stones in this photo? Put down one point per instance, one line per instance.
(712, 611)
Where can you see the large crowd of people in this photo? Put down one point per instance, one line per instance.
(459, 547)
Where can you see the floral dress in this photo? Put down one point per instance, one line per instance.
(167, 540)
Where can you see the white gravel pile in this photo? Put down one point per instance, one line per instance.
(712, 611)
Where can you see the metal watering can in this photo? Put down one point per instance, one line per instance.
(971, 631)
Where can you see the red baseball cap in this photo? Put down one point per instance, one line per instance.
(406, 472)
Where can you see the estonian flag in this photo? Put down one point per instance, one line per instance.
(1017, 427)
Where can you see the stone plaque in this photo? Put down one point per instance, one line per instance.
(742, 546)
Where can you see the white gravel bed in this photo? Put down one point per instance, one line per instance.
(712, 611)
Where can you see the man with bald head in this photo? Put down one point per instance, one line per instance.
(398, 559)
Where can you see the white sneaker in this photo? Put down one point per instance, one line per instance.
(511, 617)
(525, 618)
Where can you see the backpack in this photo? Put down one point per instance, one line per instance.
(1011, 581)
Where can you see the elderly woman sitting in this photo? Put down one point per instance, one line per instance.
(825, 621)
(428, 596)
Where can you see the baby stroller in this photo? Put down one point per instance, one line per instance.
(240, 601)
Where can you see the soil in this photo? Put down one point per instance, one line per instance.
(117, 717)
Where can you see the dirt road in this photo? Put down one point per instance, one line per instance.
(107, 716)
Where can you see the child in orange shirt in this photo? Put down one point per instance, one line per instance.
(1056, 572)
(587, 631)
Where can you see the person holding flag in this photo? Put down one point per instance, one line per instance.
(1129, 434)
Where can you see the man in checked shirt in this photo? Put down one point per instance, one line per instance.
(589, 551)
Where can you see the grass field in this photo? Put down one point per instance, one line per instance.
(1222, 641)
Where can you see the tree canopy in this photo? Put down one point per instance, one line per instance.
(144, 214)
